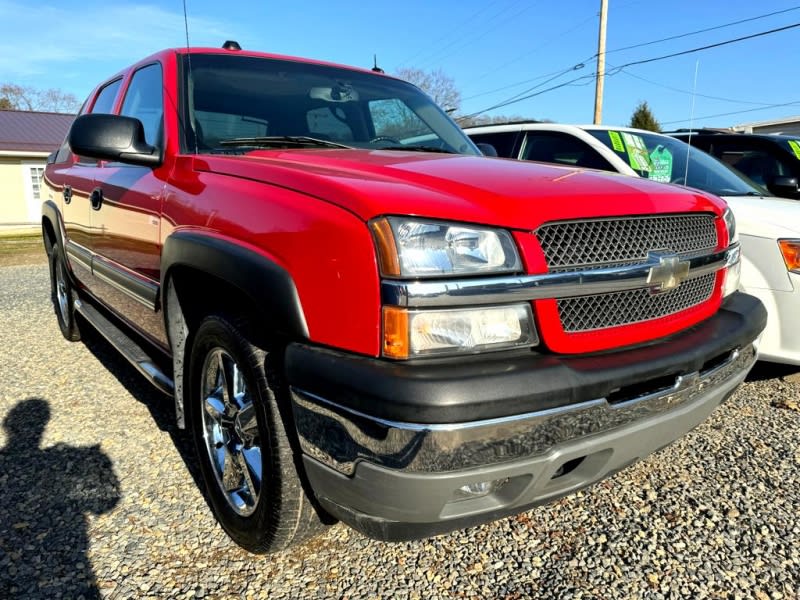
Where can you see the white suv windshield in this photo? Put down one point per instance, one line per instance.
(237, 103)
(662, 158)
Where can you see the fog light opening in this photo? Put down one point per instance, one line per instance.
(568, 467)
(478, 489)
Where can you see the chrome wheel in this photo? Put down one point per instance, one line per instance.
(62, 291)
(230, 430)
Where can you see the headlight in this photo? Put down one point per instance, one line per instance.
(412, 333)
(733, 272)
(790, 249)
(422, 248)
(730, 223)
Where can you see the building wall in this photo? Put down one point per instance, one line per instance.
(19, 187)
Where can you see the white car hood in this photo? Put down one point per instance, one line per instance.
(765, 216)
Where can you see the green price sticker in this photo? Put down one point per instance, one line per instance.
(616, 141)
(795, 148)
(638, 157)
(661, 159)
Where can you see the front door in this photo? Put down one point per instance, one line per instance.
(126, 216)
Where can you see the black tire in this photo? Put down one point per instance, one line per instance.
(63, 296)
(261, 516)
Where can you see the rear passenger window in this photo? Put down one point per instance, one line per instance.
(105, 99)
(143, 101)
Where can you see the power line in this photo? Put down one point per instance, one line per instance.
(709, 46)
(484, 32)
(469, 19)
(528, 53)
(735, 112)
(688, 92)
(683, 35)
(674, 37)
(619, 69)
(539, 93)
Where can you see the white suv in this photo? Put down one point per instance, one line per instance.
(769, 227)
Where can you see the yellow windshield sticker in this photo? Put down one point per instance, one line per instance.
(795, 148)
(637, 152)
(661, 159)
(616, 141)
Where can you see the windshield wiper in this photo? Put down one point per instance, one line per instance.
(417, 149)
(278, 141)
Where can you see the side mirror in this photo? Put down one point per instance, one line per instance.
(785, 187)
(487, 149)
(112, 137)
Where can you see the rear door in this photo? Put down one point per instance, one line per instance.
(72, 177)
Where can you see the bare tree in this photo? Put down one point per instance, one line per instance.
(438, 85)
(18, 97)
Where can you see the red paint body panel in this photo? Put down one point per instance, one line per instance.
(327, 250)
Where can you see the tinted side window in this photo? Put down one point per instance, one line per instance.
(105, 99)
(143, 100)
(504, 142)
(759, 165)
(562, 149)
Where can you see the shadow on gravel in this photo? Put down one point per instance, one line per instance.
(765, 370)
(161, 407)
(45, 494)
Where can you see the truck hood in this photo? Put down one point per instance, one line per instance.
(766, 217)
(507, 193)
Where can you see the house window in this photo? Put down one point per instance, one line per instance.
(37, 173)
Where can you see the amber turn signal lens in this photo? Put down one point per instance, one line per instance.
(791, 254)
(395, 332)
(387, 252)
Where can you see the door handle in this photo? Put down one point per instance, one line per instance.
(67, 194)
(96, 198)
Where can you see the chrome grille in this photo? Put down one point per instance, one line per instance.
(572, 245)
(587, 313)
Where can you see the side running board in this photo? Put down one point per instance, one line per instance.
(132, 352)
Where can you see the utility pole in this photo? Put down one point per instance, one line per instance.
(601, 64)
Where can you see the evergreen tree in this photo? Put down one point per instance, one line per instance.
(643, 118)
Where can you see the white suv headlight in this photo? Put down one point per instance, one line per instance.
(730, 223)
(425, 248)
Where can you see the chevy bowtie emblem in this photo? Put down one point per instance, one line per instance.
(668, 273)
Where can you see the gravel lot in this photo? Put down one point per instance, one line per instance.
(105, 502)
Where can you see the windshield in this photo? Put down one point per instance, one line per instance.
(662, 158)
(238, 103)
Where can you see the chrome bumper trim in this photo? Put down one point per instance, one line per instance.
(340, 437)
(516, 288)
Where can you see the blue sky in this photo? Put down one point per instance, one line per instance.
(493, 49)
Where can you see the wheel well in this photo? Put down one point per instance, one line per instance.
(201, 294)
(48, 235)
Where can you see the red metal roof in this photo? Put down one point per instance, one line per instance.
(27, 131)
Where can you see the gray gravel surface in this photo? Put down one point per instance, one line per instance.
(104, 502)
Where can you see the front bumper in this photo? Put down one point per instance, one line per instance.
(397, 479)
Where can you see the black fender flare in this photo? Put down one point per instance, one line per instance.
(267, 284)
(50, 212)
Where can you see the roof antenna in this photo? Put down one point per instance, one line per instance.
(691, 123)
(375, 66)
(190, 81)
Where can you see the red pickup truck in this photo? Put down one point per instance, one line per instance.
(361, 318)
